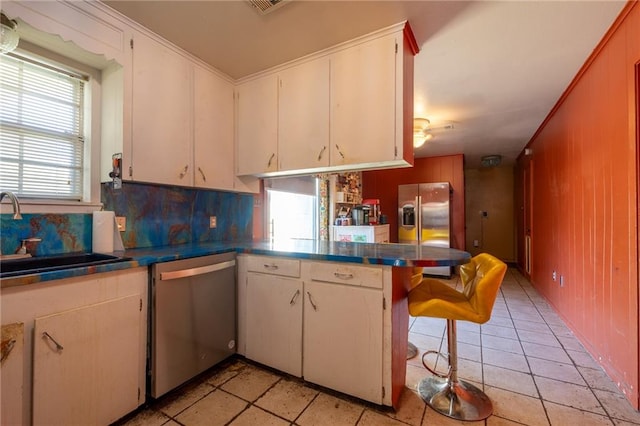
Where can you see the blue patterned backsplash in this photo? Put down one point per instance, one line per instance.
(166, 215)
(156, 216)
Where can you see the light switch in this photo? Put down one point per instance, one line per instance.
(121, 221)
(212, 222)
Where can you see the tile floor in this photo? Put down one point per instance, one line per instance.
(529, 363)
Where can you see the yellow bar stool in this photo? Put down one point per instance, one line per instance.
(481, 280)
(416, 279)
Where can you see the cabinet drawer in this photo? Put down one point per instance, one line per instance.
(344, 273)
(274, 266)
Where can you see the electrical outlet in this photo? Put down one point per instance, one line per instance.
(554, 275)
(476, 243)
(212, 222)
(121, 221)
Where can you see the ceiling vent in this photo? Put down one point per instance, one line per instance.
(266, 6)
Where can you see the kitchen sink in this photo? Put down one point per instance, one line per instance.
(35, 265)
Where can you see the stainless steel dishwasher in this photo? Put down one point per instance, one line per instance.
(193, 318)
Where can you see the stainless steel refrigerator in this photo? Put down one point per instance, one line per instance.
(424, 216)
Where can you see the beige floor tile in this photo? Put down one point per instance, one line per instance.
(517, 407)
(561, 330)
(540, 338)
(414, 375)
(410, 408)
(429, 326)
(225, 373)
(250, 383)
(545, 352)
(500, 331)
(504, 359)
(500, 343)
(568, 394)
(499, 421)
(562, 415)
(617, 406)
(511, 380)
(147, 417)
(556, 370)
(598, 379)
(254, 416)
(532, 326)
(570, 342)
(470, 370)
(329, 410)
(528, 316)
(373, 418)
(433, 418)
(500, 321)
(217, 408)
(470, 352)
(469, 337)
(583, 359)
(186, 396)
(288, 398)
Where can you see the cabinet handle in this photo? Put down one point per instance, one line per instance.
(271, 267)
(58, 345)
(183, 173)
(339, 151)
(294, 298)
(343, 276)
(315, 307)
(321, 152)
(204, 178)
(271, 159)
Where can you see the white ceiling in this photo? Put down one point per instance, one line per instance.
(493, 70)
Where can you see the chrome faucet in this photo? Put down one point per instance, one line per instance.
(14, 202)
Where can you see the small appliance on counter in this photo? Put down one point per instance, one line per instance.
(374, 210)
(360, 215)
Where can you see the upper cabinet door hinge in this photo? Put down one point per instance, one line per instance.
(396, 45)
(395, 151)
(384, 303)
(130, 171)
(131, 44)
(140, 305)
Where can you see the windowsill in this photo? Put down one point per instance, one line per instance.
(51, 206)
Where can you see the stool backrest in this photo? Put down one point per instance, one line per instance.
(481, 280)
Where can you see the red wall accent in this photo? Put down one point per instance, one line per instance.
(383, 184)
(584, 204)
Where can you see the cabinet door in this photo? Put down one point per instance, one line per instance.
(161, 114)
(92, 377)
(12, 374)
(213, 131)
(303, 116)
(274, 322)
(257, 126)
(363, 103)
(343, 339)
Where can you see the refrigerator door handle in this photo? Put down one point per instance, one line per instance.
(418, 219)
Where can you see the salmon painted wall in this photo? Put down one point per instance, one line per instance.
(383, 184)
(584, 170)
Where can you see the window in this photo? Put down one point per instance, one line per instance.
(292, 208)
(41, 130)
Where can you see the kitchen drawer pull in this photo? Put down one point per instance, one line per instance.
(321, 152)
(339, 152)
(271, 267)
(183, 173)
(204, 178)
(172, 275)
(315, 307)
(271, 159)
(294, 298)
(343, 276)
(58, 345)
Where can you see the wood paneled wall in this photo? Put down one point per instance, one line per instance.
(383, 184)
(585, 203)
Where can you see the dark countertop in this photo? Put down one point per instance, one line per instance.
(401, 255)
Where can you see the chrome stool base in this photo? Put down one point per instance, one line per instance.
(459, 400)
(412, 350)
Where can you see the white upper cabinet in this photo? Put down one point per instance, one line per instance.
(303, 116)
(162, 113)
(349, 107)
(257, 126)
(213, 130)
(363, 103)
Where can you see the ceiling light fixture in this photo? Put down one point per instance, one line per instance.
(491, 160)
(8, 34)
(420, 134)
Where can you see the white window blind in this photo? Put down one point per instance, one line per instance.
(41, 130)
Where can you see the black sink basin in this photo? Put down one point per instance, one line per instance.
(35, 265)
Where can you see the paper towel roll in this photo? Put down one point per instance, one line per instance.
(103, 227)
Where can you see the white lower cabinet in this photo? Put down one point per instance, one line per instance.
(274, 322)
(343, 339)
(323, 321)
(85, 363)
(90, 366)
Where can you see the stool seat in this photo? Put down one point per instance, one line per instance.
(481, 279)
